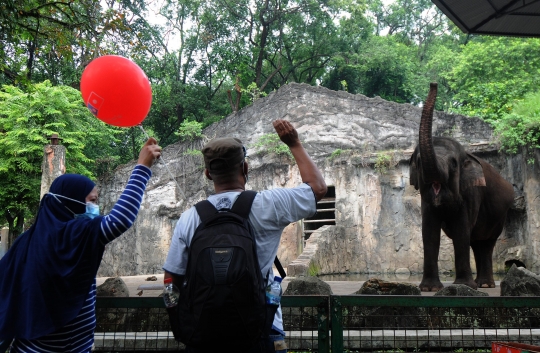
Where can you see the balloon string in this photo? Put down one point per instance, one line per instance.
(165, 164)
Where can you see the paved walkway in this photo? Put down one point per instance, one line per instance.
(149, 288)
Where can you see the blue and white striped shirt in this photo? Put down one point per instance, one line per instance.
(78, 335)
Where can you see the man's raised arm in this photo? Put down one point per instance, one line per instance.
(308, 170)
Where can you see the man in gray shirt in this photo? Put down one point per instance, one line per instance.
(271, 212)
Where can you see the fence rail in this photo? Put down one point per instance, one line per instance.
(352, 323)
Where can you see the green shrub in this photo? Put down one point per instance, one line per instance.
(521, 128)
(189, 130)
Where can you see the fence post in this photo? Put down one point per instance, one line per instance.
(336, 324)
(323, 334)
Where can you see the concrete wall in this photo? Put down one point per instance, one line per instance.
(377, 214)
(4, 232)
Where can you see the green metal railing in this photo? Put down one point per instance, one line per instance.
(431, 323)
(134, 324)
(352, 323)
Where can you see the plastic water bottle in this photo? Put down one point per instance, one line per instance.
(171, 294)
(273, 292)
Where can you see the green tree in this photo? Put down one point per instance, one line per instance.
(186, 72)
(26, 119)
(53, 40)
(382, 67)
(490, 73)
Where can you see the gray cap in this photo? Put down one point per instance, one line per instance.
(222, 154)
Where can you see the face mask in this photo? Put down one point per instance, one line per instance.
(92, 210)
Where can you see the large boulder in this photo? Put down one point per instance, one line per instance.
(460, 290)
(520, 282)
(375, 286)
(308, 286)
(110, 320)
(130, 320)
(444, 317)
(113, 287)
(297, 319)
(386, 317)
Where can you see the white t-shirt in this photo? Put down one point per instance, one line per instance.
(271, 212)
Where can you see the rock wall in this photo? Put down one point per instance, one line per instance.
(362, 145)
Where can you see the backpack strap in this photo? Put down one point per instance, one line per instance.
(242, 205)
(279, 268)
(205, 209)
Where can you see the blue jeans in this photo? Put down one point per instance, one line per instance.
(269, 346)
(275, 336)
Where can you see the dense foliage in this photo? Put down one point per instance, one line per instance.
(521, 127)
(207, 59)
(27, 120)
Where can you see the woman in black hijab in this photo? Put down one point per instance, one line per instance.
(47, 278)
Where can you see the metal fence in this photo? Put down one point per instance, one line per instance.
(353, 323)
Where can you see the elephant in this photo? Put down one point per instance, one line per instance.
(464, 196)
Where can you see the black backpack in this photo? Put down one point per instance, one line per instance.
(222, 299)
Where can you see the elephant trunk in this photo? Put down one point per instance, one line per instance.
(427, 153)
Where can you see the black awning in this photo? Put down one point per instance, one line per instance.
(495, 17)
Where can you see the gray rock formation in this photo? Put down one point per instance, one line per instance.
(307, 286)
(363, 146)
(462, 317)
(460, 290)
(302, 318)
(113, 287)
(520, 282)
(375, 286)
(108, 320)
(386, 317)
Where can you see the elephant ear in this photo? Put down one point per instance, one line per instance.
(413, 172)
(472, 172)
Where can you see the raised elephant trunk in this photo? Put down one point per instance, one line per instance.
(427, 153)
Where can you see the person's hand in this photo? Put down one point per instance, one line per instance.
(286, 132)
(149, 152)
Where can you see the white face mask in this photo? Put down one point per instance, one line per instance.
(92, 210)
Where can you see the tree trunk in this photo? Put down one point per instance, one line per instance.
(15, 225)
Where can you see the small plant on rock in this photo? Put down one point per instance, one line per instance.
(272, 144)
(385, 161)
(313, 269)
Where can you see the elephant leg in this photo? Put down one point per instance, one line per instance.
(483, 256)
(463, 264)
(431, 237)
(460, 235)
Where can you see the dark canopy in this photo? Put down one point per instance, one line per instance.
(496, 17)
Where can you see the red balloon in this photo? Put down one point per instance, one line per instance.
(116, 90)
